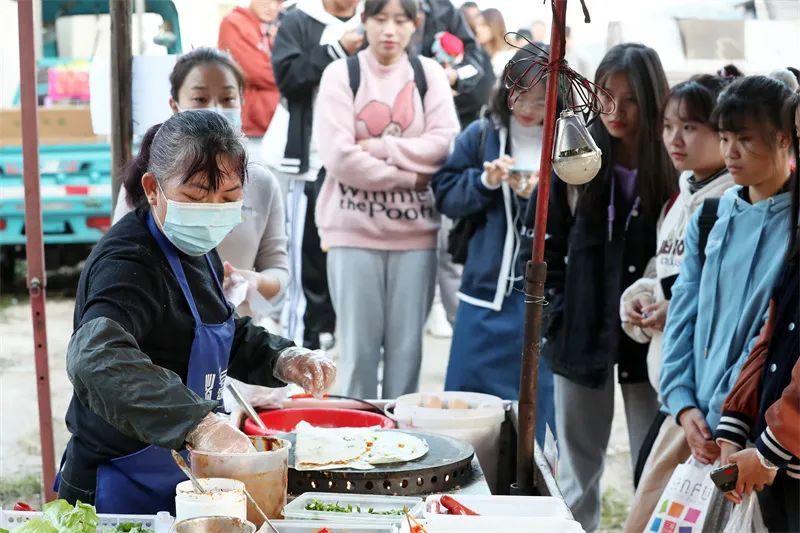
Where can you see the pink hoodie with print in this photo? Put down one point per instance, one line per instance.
(368, 199)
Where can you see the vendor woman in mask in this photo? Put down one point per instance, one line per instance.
(154, 337)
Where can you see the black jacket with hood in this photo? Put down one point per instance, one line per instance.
(587, 271)
(475, 79)
(298, 59)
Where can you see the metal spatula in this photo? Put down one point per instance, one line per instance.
(185, 468)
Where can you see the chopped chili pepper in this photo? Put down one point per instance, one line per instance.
(454, 507)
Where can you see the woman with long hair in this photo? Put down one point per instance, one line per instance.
(600, 239)
(490, 31)
(388, 120)
(488, 179)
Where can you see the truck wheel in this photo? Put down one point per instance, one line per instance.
(7, 262)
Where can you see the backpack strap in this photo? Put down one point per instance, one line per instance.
(419, 77)
(354, 73)
(706, 221)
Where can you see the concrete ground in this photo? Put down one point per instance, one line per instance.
(19, 426)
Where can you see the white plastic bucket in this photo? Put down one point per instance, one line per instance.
(478, 425)
(223, 497)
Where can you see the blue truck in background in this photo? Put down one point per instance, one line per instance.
(75, 165)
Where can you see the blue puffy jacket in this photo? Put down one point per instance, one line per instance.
(491, 271)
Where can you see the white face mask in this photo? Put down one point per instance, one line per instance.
(197, 228)
(232, 114)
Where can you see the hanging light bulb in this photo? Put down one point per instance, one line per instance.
(577, 158)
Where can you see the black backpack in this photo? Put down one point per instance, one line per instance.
(354, 74)
(708, 217)
(464, 228)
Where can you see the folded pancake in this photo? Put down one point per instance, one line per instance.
(329, 448)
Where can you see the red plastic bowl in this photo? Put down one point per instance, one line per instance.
(285, 420)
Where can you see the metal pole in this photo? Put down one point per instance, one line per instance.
(34, 244)
(140, 26)
(536, 272)
(121, 80)
(37, 23)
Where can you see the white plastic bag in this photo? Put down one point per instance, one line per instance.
(683, 505)
(746, 517)
(235, 288)
(259, 305)
(238, 291)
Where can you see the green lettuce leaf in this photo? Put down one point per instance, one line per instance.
(37, 525)
(61, 517)
(81, 519)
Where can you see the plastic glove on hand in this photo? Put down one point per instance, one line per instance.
(214, 434)
(312, 370)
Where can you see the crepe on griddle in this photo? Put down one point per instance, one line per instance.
(356, 448)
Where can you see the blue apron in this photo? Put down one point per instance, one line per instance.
(144, 482)
(485, 356)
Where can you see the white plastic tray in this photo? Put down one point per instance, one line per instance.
(312, 526)
(12, 519)
(497, 524)
(297, 508)
(510, 506)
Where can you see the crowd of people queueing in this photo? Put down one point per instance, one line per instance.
(389, 127)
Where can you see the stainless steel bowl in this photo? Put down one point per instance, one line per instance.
(214, 524)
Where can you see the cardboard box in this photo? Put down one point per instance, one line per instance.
(57, 125)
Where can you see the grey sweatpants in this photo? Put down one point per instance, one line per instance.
(583, 422)
(381, 299)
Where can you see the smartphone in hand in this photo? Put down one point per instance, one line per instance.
(725, 477)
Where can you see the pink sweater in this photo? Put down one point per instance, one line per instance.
(368, 198)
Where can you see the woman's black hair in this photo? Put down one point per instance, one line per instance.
(755, 101)
(657, 176)
(516, 69)
(373, 7)
(796, 73)
(184, 147)
(730, 71)
(202, 56)
(696, 98)
(790, 110)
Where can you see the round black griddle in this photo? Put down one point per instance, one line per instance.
(446, 465)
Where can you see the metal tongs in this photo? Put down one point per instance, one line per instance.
(248, 409)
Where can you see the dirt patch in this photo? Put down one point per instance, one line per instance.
(19, 422)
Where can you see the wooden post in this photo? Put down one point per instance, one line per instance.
(536, 272)
(121, 81)
(34, 242)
